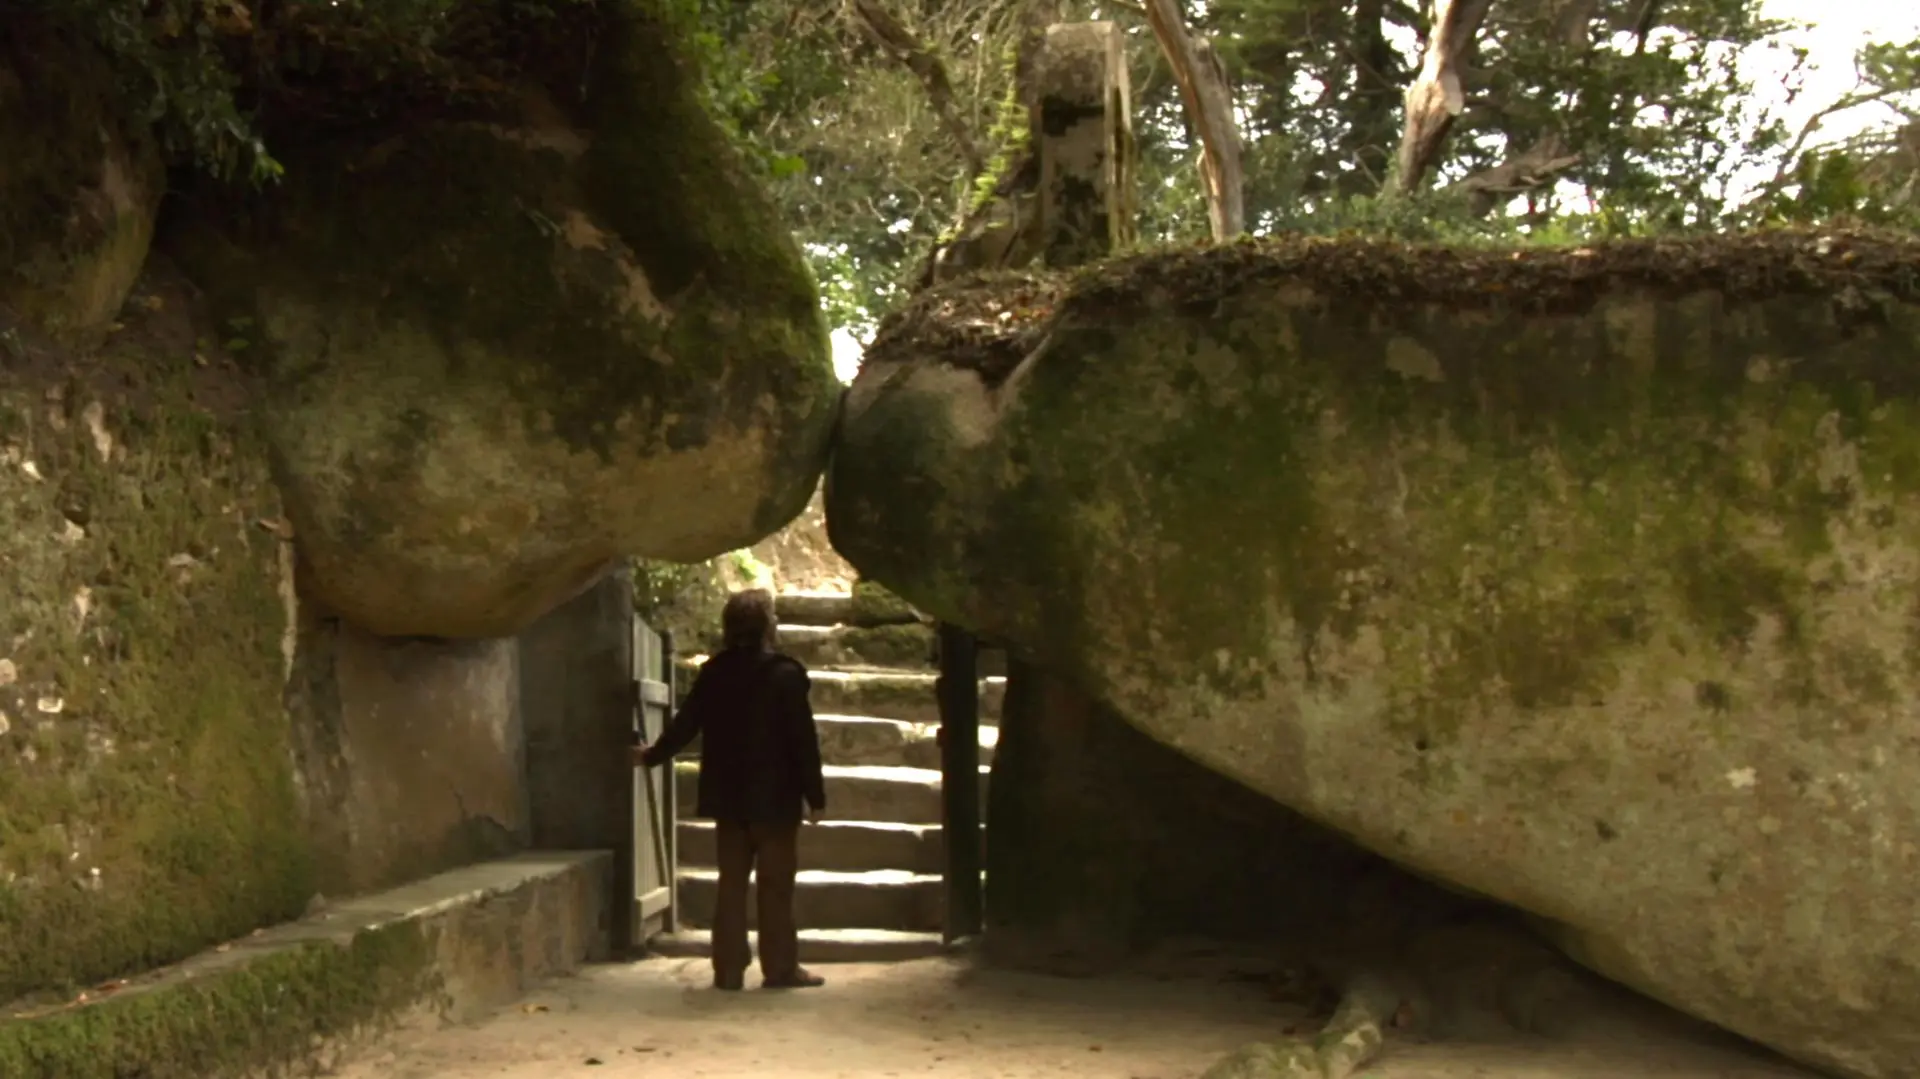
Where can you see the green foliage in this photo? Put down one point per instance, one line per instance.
(682, 598)
(857, 158)
(173, 72)
(1008, 136)
(1656, 106)
(1871, 177)
(1664, 119)
(211, 76)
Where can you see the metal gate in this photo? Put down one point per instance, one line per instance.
(655, 860)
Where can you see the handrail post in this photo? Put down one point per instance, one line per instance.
(958, 689)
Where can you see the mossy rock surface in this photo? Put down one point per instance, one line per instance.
(507, 347)
(80, 188)
(147, 803)
(257, 1016)
(1581, 579)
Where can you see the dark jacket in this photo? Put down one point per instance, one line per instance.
(759, 750)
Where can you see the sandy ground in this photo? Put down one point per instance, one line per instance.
(945, 1019)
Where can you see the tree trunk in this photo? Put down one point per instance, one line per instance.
(1203, 86)
(1436, 98)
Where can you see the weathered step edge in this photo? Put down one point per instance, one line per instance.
(835, 846)
(870, 740)
(900, 648)
(864, 607)
(305, 997)
(908, 902)
(907, 696)
(818, 945)
(859, 792)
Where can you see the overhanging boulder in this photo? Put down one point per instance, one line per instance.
(506, 345)
(1583, 579)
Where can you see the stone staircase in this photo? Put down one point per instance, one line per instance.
(870, 886)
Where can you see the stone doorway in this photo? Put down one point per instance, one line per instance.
(872, 874)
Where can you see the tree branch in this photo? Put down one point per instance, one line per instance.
(1435, 98)
(1529, 170)
(887, 32)
(1783, 175)
(1643, 26)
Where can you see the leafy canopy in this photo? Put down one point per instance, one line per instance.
(1584, 118)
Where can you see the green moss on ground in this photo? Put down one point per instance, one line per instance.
(271, 1011)
(147, 807)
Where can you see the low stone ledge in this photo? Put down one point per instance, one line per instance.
(299, 998)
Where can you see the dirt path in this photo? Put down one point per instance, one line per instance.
(943, 1019)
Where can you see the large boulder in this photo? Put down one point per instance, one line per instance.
(1586, 580)
(79, 189)
(505, 345)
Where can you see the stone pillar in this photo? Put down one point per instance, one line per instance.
(1085, 143)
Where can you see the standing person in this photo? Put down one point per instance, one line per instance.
(759, 767)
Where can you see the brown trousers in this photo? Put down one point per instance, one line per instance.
(770, 854)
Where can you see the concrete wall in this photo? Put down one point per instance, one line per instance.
(436, 754)
(413, 753)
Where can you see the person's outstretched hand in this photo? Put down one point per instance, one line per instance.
(640, 755)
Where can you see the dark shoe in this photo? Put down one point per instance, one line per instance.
(801, 978)
(729, 985)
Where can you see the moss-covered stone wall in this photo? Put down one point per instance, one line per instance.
(188, 749)
(147, 806)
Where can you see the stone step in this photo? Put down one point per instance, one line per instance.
(863, 607)
(836, 846)
(300, 997)
(868, 740)
(872, 740)
(855, 792)
(902, 648)
(878, 899)
(816, 945)
(901, 695)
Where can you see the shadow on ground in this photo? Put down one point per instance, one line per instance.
(949, 1018)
